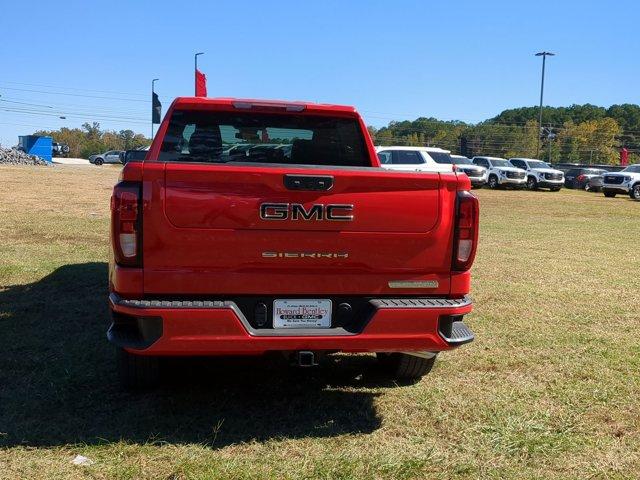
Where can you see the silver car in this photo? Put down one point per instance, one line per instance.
(112, 156)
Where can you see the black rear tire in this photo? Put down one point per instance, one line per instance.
(609, 194)
(98, 161)
(404, 367)
(635, 192)
(137, 372)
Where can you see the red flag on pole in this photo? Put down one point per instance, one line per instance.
(624, 157)
(201, 84)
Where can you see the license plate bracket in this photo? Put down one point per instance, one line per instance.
(292, 313)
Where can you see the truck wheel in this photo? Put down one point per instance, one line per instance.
(493, 182)
(98, 161)
(137, 371)
(405, 367)
(532, 184)
(609, 194)
(635, 192)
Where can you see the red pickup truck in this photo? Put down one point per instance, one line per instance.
(259, 226)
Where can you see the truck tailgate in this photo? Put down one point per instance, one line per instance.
(204, 235)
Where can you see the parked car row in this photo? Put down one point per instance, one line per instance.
(514, 172)
(493, 171)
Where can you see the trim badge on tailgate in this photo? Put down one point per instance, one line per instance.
(305, 255)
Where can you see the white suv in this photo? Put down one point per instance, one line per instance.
(625, 181)
(477, 174)
(539, 174)
(419, 159)
(501, 172)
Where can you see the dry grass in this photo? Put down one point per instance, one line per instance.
(549, 389)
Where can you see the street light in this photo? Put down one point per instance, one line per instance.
(195, 76)
(544, 58)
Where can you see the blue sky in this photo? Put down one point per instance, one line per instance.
(392, 60)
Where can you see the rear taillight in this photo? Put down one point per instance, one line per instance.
(126, 223)
(580, 178)
(466, 231)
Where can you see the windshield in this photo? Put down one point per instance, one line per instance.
(537, 164)
(440, 157)
(500, 163)
(220, 137)
(461, 160)
(632, 169)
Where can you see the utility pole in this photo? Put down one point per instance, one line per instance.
(195, 76)
(544, 58)
(153, 82)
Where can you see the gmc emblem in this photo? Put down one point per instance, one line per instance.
(296, 211)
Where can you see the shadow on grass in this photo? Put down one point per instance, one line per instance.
(58, 383)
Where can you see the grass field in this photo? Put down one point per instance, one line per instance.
(550, 388)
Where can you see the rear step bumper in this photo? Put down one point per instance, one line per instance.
(212, 327)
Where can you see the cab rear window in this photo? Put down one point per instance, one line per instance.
(222, 137)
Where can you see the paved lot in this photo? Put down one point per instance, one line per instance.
(70, 161)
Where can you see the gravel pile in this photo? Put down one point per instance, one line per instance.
(17, 157)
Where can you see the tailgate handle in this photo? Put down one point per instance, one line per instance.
(308, 182)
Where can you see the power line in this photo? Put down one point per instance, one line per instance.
(73, 88)
(79, 115)
(24, 103)
(66, 113)
(76, 95)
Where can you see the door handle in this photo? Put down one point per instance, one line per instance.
(308, 182)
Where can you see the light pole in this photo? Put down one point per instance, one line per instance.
(195, 76)
(544, 58)
(153, 82)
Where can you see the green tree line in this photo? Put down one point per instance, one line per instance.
(91, 139)
(579, 133)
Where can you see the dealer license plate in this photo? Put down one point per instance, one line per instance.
(301, 313)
